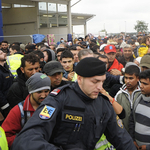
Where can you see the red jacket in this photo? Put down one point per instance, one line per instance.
(12, 123)
(116, 65)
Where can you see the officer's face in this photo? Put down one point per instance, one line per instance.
(30, 69)
(11, 51)
(145, 87)
(91, 86)
(56, 79)
(39, 96)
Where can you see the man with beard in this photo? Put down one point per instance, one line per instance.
(18, 91)
(129, 92)
(4, 46)
(127, 55)
(38, 86)
(54, 70)
(6, 80)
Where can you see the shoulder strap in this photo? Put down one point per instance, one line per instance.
(55, 92)
(25, 115)
(22, 113)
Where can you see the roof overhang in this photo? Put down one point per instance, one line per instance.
(77, 19)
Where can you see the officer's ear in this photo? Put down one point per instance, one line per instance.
(15, 51)
(79, 79)
(22, 69)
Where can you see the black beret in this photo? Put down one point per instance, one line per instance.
(90, 66)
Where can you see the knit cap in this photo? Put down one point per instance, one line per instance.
(90, 66)
(38, 82)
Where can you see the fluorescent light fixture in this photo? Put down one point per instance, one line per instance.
(80, 17)
(47, 15)
(64, 17)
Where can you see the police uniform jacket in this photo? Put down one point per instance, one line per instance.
(6, 80)
(68, 119)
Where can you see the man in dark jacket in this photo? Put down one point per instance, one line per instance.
(18, 91)
(6, 79)
(54, 70)
(74, 117)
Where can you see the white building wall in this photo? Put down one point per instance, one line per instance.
(58, 31)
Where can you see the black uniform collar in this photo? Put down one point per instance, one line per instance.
(19, 53)
(4, 68)
(80, 93)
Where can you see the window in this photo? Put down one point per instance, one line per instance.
(52, 7)
(62, 8)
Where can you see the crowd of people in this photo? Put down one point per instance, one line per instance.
(91, 93)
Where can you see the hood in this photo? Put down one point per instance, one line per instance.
(124, 89)
(51, 54)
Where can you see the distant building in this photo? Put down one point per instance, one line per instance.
(27, 17)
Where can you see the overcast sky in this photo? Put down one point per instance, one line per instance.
(114, 15)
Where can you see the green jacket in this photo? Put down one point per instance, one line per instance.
(126, 101)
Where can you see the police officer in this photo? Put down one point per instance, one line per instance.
(14, 61)
(74, 117)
